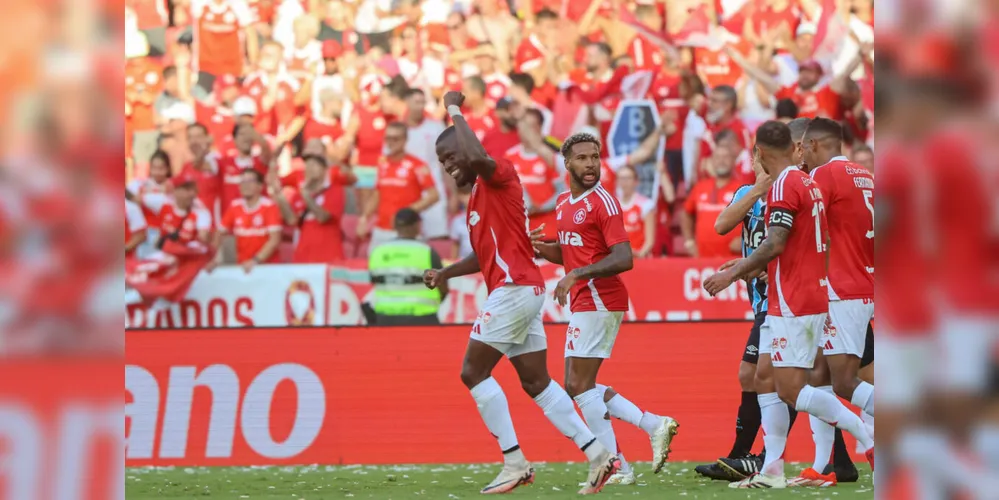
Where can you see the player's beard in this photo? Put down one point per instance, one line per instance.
(579, 180)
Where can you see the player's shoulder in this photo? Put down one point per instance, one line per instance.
(607, 201)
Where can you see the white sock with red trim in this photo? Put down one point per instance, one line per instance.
(776, 422)
(823, 435)
(828, 408)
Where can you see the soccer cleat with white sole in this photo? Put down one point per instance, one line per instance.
(622, 478)
(512, 476)
(760, 481)
(661, 439)
(811, 478)
(604, 467)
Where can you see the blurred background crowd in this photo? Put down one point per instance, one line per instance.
(336, 104)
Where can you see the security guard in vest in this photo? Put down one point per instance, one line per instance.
(396, 271)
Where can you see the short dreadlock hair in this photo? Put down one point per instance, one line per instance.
(578, 138)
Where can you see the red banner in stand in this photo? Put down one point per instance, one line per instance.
(659, 289)
(393, 395)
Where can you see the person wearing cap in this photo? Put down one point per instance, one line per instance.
(396, 267)
(501, 138)
(814, 95)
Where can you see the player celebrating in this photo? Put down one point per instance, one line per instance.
(795, 255)
(594, 248)
(510, 320)
(848, 193)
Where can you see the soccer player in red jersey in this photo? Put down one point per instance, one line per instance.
(848, 194)
(510, 321)
(794, 254)
(594, 248)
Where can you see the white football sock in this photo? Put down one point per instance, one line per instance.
(868, 420)
(828, 408)
(625, 466)
(621, 408)
(863, 397)
(823, 435)
(495, 411)
(591, 404)
(776, 422)
(559, 409)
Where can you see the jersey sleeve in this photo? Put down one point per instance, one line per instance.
(133, 214)
(611, 222)
(202, 219)
(740, 194)
(272, 218)
(784, 201)
(690, 205)
(228, 219)
(424, 178)
(504, 174)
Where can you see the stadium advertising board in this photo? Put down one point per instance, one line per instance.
(61, 439)
(270, 295)
(296, 295)
(393, 395)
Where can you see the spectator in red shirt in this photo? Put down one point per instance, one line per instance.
(314, 208)
(722, 114)
(705, 201)
(500, 139)
(231, 166)
(204, 167)
(255, 222)
(479, 114)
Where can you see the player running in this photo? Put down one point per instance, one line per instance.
(848, 194)
(794, 253)
(510, 321)
(594, 248)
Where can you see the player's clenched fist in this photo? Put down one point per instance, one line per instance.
(453, 97)
(432, 278)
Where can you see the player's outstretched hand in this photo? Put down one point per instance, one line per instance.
(728, 264)
(562, 289)
(718, 282)
(453, 97)
(537, 234)
(432, 278)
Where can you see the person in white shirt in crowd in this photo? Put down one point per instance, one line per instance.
(420, 142)
(135, 229)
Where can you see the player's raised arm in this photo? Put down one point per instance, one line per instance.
(470, 150)
(742, 203)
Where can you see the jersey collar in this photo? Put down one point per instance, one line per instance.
(572, 201)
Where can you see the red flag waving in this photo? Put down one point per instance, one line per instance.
(167, 274)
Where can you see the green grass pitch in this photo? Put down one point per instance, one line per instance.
(408, 482)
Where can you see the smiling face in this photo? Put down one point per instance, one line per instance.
(583, 164)
(462, 174)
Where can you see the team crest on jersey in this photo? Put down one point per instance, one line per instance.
(783, 342)
(830, 329)
(485, 317)
(258, 220)
(579, 216)
(229, 18)
(539, 168)
(400, 172)
(473, 218)
(378, 123)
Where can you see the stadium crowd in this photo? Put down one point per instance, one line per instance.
(301, 127)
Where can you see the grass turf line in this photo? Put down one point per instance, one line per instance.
(388, 482)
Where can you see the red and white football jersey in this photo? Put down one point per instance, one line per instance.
(482, 123)
(218, 34)
(588, 227)
(634, 213)
(848, 194)
(231, 172)
(497, 85)
(798, 275)
(185, 224)
(496, 213)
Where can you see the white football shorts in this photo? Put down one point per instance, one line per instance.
(591, 334)
(846, 331)
(794, 341)
(510, 320)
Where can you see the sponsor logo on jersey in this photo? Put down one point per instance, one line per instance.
(579, 216)
(570, 238)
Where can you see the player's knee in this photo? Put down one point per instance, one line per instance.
(609, 394)
(747, 377)
(575, 386)
(844, 385)
(535, 386)
(472, 376)
(789, 395)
